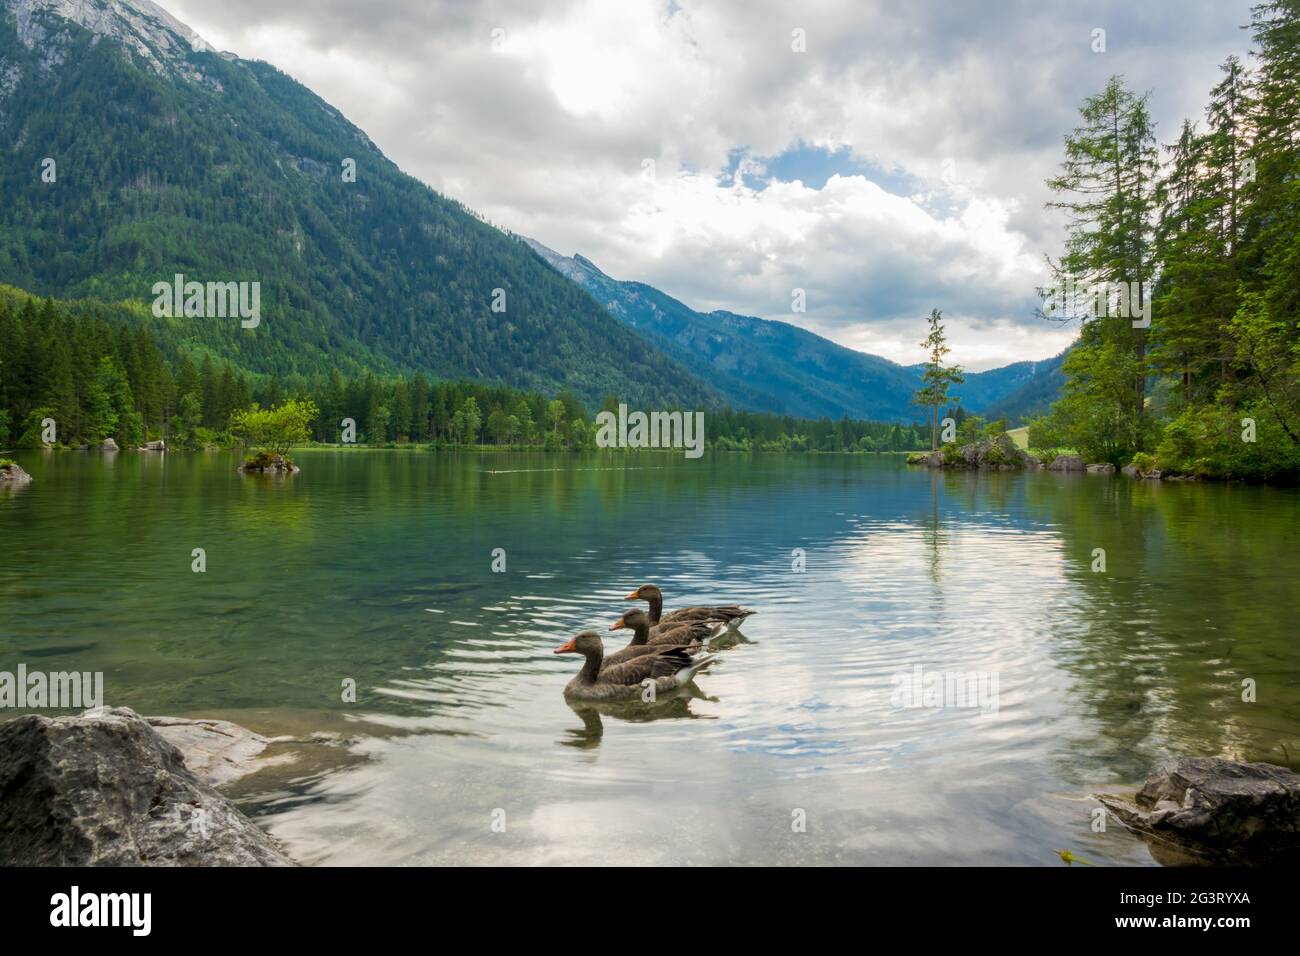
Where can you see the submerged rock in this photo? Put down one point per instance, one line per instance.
(1215, 810)
(1067, 463)
(1101, 468)
(13, 472)
(217, 751)
(105, 789)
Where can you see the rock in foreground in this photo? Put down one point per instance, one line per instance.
(1216, 811)
(104, 789)
(12, 472)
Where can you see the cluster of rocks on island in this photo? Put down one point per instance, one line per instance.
(268, 464)
(12, 472)
(1003, 454)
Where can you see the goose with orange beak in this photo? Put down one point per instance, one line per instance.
(732, 614)
(667, 667)
(687, 634)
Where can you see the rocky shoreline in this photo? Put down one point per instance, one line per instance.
(111, 788)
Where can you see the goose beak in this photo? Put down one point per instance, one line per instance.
(617, 624)
(568, 648)
(631, 597)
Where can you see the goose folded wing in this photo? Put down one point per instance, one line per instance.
(663, 663)
(721, 613)
(689, 633)
(633, 651)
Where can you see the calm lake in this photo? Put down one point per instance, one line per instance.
(376, 566)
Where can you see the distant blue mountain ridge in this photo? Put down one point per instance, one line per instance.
(772, 366)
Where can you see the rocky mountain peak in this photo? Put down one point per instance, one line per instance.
(141, 25)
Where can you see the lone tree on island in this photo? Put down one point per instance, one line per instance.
(273, 431)
(937, 377)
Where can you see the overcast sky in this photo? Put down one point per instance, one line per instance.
(895, 165)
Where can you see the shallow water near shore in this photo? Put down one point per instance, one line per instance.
(376, 566)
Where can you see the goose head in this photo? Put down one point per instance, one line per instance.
(646, 592)
(587, 644)
(638, 621)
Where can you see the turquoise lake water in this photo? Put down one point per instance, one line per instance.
(376, 567)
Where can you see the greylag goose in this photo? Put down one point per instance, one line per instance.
(635, 650)
(688, 636)
(688, 633)
(732, 614)
(669, 667)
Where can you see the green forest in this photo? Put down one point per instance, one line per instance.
(1206, 232)
(236, 174)
(377, 291)
(98, 378)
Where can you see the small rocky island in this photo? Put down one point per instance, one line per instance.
(267, 463)
(1001, 453)
(10, 471)
(988, 454)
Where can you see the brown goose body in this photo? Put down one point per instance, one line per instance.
(731, 614)
(634, 650)
(686, 633)
(668, 667)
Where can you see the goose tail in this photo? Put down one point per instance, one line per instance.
(697, 664)
(733, 623)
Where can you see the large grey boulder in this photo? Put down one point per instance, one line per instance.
(12, 472)
(109, 445)
(105, 789)
(1067, 463)
(1216, 810)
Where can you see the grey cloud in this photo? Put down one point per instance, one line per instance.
(994, 87)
